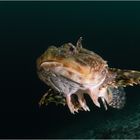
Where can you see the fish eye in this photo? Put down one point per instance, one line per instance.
(71, 47)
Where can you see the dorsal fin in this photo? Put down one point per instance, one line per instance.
(79, 43)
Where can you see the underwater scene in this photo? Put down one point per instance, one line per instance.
(28, 29)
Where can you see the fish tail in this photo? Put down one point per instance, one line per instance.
(126, 77)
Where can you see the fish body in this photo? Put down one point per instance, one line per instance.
(74, 71)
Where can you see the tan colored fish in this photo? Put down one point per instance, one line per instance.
(72, 71)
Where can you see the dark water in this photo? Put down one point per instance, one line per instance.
(111, 29)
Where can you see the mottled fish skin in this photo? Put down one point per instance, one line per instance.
(126, 77)
(74, 71)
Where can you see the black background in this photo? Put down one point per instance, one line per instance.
(111, 29)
